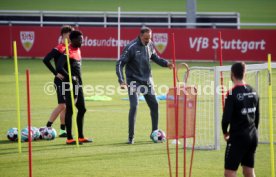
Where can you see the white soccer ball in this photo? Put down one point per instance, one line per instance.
(48, 133)
(36, 133)
(24, 134)
(12, 134)
(41, 131)
(158, 136)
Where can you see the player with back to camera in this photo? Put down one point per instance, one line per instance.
(55, 54)
(76, 38)
(241, 112)
(136, 57)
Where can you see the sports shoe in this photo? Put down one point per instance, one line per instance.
(85, 140)
(72, 142)
(130, 141)
(62, 133)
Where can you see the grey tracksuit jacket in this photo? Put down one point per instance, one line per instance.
(136, 57)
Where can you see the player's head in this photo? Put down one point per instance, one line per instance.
(145, 35)
(238, 71)
(76, 38)
(65, 31)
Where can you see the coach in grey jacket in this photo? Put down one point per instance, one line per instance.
(136, 56)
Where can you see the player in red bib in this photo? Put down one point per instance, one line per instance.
(75, 63)
(55, 54)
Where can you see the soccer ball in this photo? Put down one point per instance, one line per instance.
(24, 134)
(48, 133)
(41, 131)
(12, 134)
(36, 133)
(158, 136)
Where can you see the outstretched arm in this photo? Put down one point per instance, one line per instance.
(160, 61)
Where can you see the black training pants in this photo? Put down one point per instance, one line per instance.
(79, 103)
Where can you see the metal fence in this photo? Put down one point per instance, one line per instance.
(127, 19)
(107, 19)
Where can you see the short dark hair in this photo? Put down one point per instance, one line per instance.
(66, 29)
(145, 30)
(238, 70)
(75, 34)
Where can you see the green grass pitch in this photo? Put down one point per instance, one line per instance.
(106, 122)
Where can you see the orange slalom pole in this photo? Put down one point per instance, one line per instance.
(221, 74)
(29, 121)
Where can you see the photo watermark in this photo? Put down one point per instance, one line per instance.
(133, 88)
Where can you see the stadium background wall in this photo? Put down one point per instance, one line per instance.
(101, 43)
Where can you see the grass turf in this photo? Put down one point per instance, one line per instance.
(250, 10)
(106, 122)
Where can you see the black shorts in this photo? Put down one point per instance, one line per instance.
(240, 151)
(58, 86)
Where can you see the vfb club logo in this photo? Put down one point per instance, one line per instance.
(160, 41)
(27, 39)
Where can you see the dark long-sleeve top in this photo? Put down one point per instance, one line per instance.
(54, 54)
(136, 57)
(241, 110)
(75, 63)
